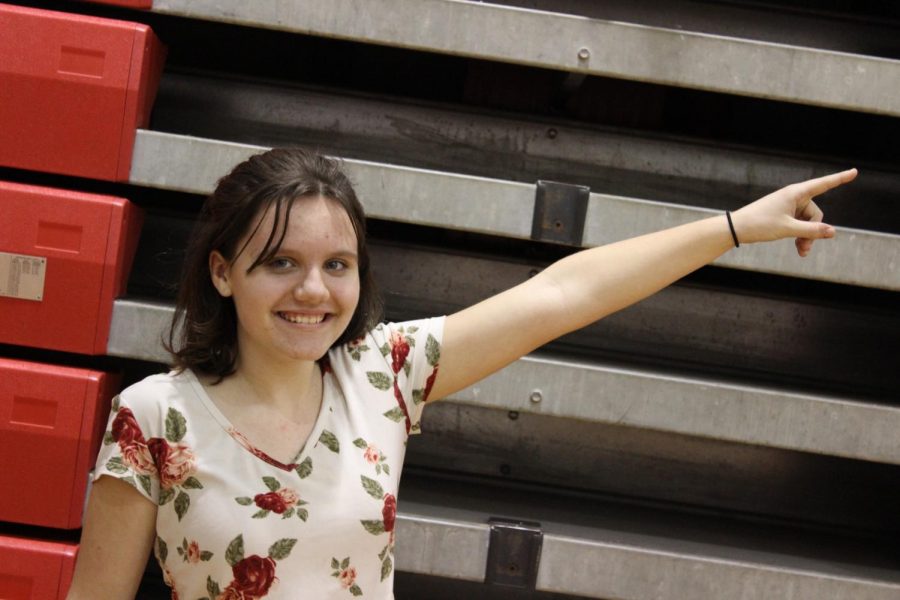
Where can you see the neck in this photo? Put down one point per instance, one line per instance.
(289, 387)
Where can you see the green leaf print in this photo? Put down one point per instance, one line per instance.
(356, 351)
(108, 438)
(192, 483)
(304, 469)
(386, 469)
(383, 552)
(411, 329)
(144, 480)
(330, 441)
(176, 426)
(206, 555)
(407, 366)
(235, 551)
(360, 443)
(182, 503)
(335, 564)
(381, 381)
(116, 403)
(260, 514)
(282, 548)
(244, 501)
(162, 550)
(345, 563)
(419, 396)
(372, 487)
(166, 496)
(116, 465)
(385, 350)
(386, 567)
(432, 350)
(302, 514)
(212, 587)
(354, 589)
(395, 414)
(288, 513)
(272, 484)
(374, 527)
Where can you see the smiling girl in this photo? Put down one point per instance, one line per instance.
(266, 464)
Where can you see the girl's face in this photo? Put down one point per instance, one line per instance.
(297, 304)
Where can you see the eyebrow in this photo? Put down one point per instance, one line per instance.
(342, 253)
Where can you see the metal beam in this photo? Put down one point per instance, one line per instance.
(854, 256)
(581, 45)
(628, 397)
(389, 192)
(599, 550)
(505, 208)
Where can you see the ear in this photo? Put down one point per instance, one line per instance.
(219, 272)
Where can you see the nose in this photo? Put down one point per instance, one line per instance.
(311, 288)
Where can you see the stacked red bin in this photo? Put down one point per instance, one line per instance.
(73, 92)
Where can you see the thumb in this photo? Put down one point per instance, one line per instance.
(811, 230)
(806, 232)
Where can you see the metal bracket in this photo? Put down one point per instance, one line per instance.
(514, 553)
(559, 212)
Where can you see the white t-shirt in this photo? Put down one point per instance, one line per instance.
(233, 523)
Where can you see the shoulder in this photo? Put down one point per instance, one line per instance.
(377, 344)
(152, 396)
(392, 333)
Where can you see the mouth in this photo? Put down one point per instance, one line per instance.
(301, 319)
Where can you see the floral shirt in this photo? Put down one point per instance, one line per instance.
(234, 523)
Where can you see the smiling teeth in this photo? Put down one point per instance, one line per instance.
(302, 319)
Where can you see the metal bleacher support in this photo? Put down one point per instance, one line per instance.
(504, 208)
(578, 44)
(776, 433)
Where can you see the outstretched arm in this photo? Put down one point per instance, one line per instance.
(591, 284)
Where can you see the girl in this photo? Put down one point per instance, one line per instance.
(266, 464)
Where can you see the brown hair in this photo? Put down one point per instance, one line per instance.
(203, 333)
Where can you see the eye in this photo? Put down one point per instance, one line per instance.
(280, 263)
(336, 265)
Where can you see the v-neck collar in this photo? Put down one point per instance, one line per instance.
(244, 442)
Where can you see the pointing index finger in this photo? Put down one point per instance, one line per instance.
(820, 185)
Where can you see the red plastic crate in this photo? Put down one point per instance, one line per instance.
(83, 245)
(52, 420)
(73, 91)
(35, 569)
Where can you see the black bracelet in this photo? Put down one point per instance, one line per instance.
(737, 244)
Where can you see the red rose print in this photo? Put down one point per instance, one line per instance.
(137, 456)
(254, 575)
(174, 463)
(398, 395)
(167, 578)
(347, 577)
(372, 455)
(288, 496)
(389, 512)
(271, 501)
(125, 428)
(399, 351)
(193, 552)
(429, 383)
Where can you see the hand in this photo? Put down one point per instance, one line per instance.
(789, 212)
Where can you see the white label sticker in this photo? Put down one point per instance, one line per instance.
(22, 276)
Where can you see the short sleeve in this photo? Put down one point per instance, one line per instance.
(413, 352)
(126, 451)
